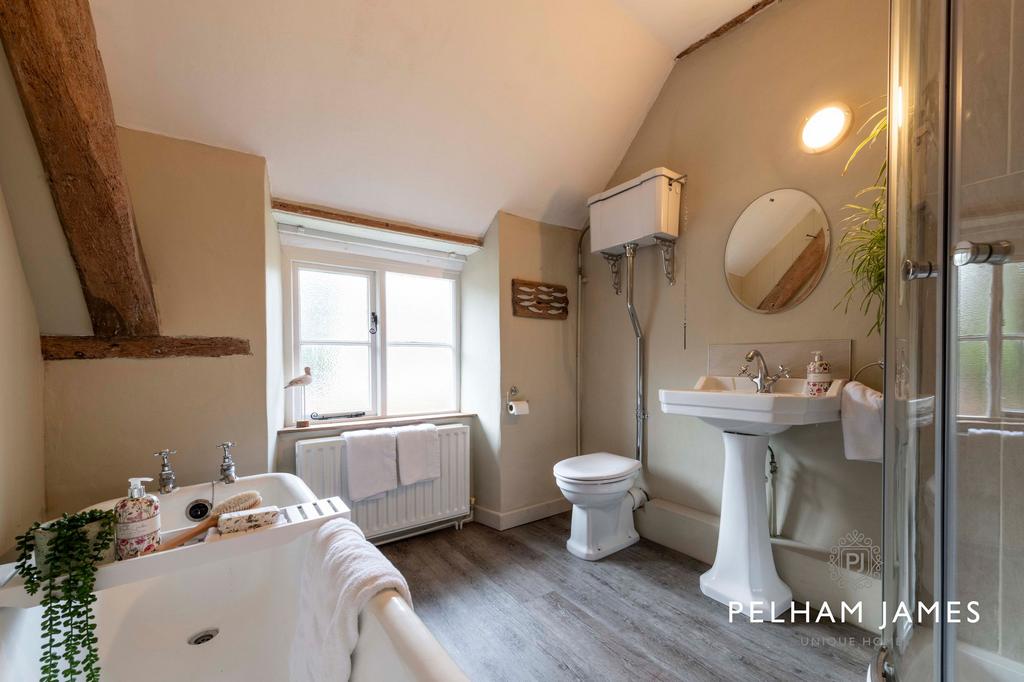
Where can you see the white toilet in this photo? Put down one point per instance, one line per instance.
(598, 485)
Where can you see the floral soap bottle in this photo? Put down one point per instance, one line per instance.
(138, 521)
(819, 375)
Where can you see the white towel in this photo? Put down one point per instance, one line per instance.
(862, 409)
(419, 453)
(342, 573)
(370, 462)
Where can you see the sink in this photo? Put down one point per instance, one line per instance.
(731, 404)
(744, 575)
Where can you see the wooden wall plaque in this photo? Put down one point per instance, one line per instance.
(540, 300)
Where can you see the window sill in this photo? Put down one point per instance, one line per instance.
(374, 422)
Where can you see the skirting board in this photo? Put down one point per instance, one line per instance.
(805, 569)
(517, 517)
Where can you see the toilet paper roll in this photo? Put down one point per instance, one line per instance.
(518, 407)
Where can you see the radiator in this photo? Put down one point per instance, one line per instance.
(406, 510)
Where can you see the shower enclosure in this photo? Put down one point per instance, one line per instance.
(954, 470)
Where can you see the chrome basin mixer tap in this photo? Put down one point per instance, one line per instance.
(763, 381)
(227, 465)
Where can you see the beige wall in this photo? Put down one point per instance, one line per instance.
(513, 456)
(729, 117)
(203, 226)
(21, 395)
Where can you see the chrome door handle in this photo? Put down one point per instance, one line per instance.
(993, 253)
(919, 270)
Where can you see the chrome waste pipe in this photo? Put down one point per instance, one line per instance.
(641, 413)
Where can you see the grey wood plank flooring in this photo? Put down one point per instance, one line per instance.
(517, 606)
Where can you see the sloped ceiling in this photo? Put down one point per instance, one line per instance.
(438, 113)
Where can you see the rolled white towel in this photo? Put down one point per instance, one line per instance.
(342, 573)
(862, 411)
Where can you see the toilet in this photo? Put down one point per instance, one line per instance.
(598, 485)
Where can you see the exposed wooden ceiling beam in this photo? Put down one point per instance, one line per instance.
(807, 266)
(51, 47)
(94, 348)
(728, 26)
(338, 216)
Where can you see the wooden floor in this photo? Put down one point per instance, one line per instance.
(517, 606)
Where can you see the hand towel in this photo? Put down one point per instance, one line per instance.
(419, 453)
(862, 409)
(342, 573)
(370, 462)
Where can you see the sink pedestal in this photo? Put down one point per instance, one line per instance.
(744, 569)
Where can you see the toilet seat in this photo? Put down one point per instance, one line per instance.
(596, 468)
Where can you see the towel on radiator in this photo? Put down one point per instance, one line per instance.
(862, 409)
(370, 462)
(419, 453)
(342, 573)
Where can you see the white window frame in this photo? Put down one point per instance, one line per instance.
(375, 269)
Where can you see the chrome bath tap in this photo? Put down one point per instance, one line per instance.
(166, 473)
(763, 381)
(227, 465)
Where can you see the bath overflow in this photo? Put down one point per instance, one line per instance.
(203, 637)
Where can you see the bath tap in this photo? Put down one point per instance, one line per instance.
(227, 465)
(166, 473)
(763, 381)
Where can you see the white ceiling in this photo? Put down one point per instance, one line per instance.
(438, 113)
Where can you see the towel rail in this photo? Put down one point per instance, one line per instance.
(878, 363)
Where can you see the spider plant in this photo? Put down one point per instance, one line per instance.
(863, 242)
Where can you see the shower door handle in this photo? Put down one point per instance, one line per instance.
(992, 253)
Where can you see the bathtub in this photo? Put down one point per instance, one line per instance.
(158, 628)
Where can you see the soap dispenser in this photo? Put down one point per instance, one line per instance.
(138, 521)
(819, 375)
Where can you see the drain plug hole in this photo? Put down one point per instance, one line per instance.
(203, 637)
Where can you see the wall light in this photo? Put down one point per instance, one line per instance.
(826, 128)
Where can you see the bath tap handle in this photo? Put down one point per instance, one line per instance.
(783, 372)
(744, 370)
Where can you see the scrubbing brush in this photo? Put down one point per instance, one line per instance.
(239, 502)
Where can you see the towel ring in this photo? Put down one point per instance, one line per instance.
(879, 363)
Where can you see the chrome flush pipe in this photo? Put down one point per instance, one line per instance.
(641, 413)
(580, 281)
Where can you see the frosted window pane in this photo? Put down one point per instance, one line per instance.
(420, 379)
(333, 306)
(1013, 374)
(1013, 298)
(341, 378)
(974, 297)
(419, 308)
(973, 378)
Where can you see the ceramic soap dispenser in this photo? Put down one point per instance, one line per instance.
(819, 375)
(138, 521)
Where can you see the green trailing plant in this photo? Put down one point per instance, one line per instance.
(66, 575)
(863, 242)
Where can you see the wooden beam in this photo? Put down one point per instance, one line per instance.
(51, 47)
(338, 216)
(95, 347)
(728, 26)
(807, 266)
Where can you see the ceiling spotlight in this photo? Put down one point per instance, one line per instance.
(826, 128)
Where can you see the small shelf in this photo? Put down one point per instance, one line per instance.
(294, 521)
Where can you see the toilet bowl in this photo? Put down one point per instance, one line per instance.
(598, 486)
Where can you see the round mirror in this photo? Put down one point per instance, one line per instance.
(777, 251)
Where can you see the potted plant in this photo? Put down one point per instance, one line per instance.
(863, 243)
(60, 558)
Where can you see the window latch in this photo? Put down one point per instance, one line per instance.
(373, 323)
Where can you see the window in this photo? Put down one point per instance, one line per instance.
(379, 339)
(990, 334)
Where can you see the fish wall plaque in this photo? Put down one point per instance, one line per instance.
(540, 300)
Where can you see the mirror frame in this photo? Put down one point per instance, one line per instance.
(813, 283)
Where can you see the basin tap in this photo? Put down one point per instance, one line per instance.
(227, 465)
(166, 474)
(763, 381)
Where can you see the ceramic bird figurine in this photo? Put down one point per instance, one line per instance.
(304, 379)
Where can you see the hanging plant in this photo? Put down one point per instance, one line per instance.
(863, 242)
(60, 558)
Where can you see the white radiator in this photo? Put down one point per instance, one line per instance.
(401, 512)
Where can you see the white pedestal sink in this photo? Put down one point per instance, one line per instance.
(744, 569)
